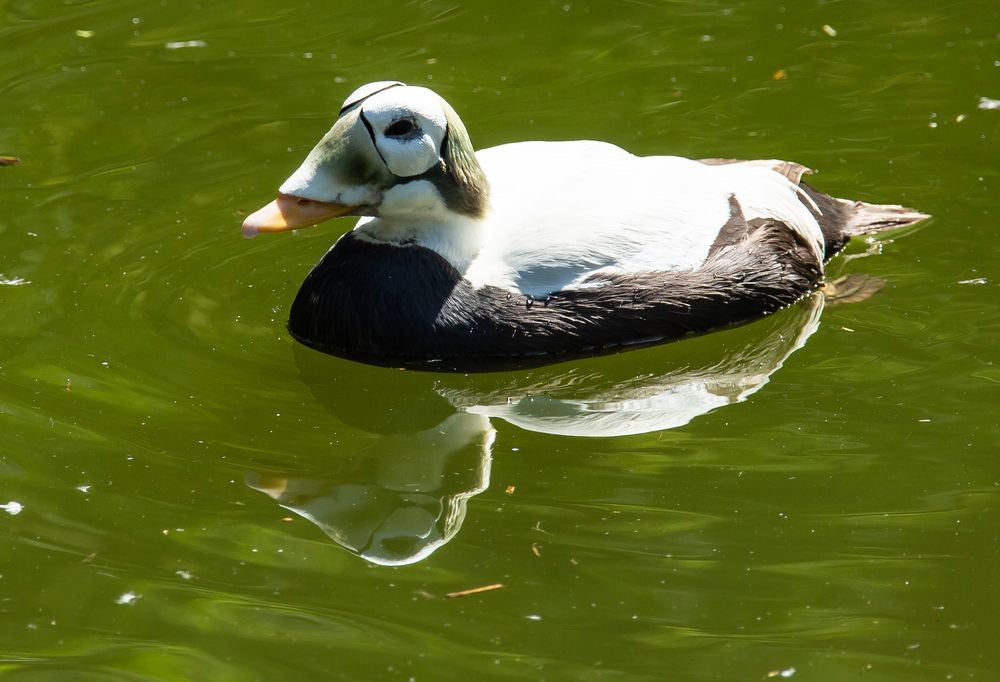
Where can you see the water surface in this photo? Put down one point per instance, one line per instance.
(814, 494)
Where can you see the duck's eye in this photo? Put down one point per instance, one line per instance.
(400, 128)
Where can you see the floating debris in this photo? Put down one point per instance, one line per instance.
(985, 103)
(13, 507)
(12, 281)
(780, 75)
(535, 549)
(474, 590)
(83, 33)
(829, 30)
(127, 599)
(977, 280)
(787, 672)
(180, 44)
(9, 160)
(510, 489)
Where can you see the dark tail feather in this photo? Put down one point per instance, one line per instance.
(841, 219)
(865, 218)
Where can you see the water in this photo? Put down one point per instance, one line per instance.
(188, 495)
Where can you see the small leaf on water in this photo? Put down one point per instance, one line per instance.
(474, 590)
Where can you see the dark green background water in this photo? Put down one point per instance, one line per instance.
(833, 517)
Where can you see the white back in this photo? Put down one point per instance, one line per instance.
(563, 211)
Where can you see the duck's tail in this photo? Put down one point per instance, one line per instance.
(854, 218)
(841, 219)
(867, 218)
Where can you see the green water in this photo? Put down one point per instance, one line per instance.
(816, 493)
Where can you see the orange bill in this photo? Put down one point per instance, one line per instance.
(289, 213)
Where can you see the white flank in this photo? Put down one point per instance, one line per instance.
(563, 211)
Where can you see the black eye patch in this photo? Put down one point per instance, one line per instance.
(400, 128)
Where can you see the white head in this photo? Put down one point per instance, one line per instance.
(393, 149)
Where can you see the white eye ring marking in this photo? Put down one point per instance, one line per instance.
(408, 126)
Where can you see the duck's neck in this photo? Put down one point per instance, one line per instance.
(454, 237)
(444, 209)
(459, 177)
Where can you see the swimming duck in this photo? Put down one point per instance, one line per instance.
(534, 252)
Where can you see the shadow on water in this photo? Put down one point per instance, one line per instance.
(400, 499)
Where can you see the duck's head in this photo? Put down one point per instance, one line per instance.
(395, 151)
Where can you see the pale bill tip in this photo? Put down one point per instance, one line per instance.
(249, 230)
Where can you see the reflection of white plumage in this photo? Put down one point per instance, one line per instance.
(529, 251)
(405, 496)
(658, 401)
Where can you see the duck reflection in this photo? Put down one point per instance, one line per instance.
(400, 499)
(405, 496)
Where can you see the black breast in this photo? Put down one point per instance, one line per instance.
(406, 305)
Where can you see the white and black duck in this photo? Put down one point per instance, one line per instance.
(533, 252)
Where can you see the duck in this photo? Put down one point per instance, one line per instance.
(530, 253)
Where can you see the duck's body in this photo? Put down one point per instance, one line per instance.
(532, 252)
